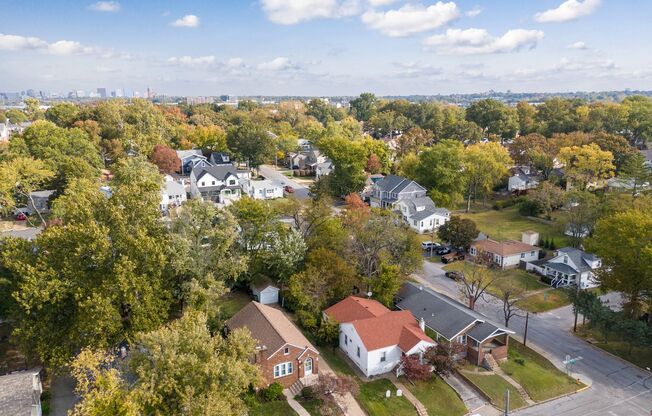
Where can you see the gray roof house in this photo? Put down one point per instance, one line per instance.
(39, 201)
(421, 213)
(220, 184)
(389, 190)
(568, 267)
(450, 321)
(189, 158)
(523, 178)
(20, 393)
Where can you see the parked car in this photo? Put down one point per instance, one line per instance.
(429, 245)
(455, 275)
(288, 189)
(451, 257)
(442, 250)
(20, 216)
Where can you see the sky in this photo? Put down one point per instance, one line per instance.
(326, 47)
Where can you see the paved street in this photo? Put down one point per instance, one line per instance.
(618, 388)
(269, 172)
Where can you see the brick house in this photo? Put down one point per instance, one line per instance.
(283, 354)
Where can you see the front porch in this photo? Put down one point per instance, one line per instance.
(496, 347)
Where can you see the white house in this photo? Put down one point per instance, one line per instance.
(4, 132)
(323, 169)
(173, 194)
(220, 184)
(265, 292)
(509, 253)
(265, 189)
(391, 189)
(374, 337)
(567, 267)
(523, 179)
(421, 214)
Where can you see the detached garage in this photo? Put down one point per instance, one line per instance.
(265, 292)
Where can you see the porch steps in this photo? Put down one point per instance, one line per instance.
(296, 388)
(490, 362)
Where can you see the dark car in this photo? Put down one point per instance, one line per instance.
(288, 189)
(451, 257)
(455, 275)
(442, 250)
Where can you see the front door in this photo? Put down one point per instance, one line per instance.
(307, 367)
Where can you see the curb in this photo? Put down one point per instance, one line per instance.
(609, 353)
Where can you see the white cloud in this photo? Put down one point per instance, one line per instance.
(411, 19)
(568, 10)
(577, 45)
(377, 3)
(17, 43)
(476, 10)
(192, 61)
(105, 6)
(289, 12)
(189, 20)
(585, 66)
(276, 64)
(70, 47)
(479, 41)
(235, 62)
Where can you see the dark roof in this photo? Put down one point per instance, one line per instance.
(578, 257)
(445, 315)
(561, 267)
(219, 158)
(396, 184)
(17, 394)
(219, 172)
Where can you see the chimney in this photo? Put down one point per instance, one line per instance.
(422, 324)
(262, 354)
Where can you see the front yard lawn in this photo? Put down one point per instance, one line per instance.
(275, 408)
(438, 397)
(545, 301)
(639, 356)
(538, 376)
(518, 278)
(334, 358)
(372, 399)
(494, 387)
(508, 224)
(232, 302)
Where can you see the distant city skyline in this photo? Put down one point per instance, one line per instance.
(325, 47)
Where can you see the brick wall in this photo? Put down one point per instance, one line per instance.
(267, 361)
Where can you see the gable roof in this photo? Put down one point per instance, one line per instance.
(446, 316)
(220, 172)
(504, 248)
(17, 393)
(269, 326)
(174, 188)
(577, 256)
(219, 158)
(396, 184)
(182, 154)
(354, 308)
(393, 328)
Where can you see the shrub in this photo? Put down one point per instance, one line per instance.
(307, 320)
(272, 392)
(519, 360)
(529, 208)
(308, 393)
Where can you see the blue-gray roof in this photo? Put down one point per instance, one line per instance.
(395, 184)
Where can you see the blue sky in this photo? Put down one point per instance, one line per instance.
(326, 47)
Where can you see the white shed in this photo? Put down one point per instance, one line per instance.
(265, 292)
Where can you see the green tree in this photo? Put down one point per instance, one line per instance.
(635, 172)
(458, 231)
(623, 242)
(180, 369)
(363, 107)
(638, 128)
(548, 197)
(251, 143)
(586, 164)
(526, 114)
(579, 218)
(438, 171)
(494, 117)
(18, 178)
(386, 285)
(63, 114)
(484, 166)
(349, 158)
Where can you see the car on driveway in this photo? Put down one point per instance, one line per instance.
(288, 189)
(455, 275)
(20, 216)
(442, 250)
(451, 257)
(430, 245)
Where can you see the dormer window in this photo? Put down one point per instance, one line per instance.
(565, 260)
(286, 351)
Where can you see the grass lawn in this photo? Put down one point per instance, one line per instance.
(275, 408)
(506, 278)
(639, 356)
(312, 406)
(494, 386)
(538, 376)
(438, 397)
(508, 224)
(232, 302)
(545, 301)
(372, 399)
(335, 359)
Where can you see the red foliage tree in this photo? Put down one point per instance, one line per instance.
(166, 159)
(442, 357)
(373, 164)
(414, 369)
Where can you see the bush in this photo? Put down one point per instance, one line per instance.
(272, 392)
(529, 208)
(307, 320)
(308, 393)
(519, 360)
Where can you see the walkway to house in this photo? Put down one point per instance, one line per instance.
(467, 393)
(295, 405)
(346, 402)
(421, 409)
(496, 370)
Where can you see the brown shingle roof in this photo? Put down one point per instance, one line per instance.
(354, 308)
(269, 326)
(393, 328)
(505, 248)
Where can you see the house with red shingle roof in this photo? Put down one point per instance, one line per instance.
(374, 337)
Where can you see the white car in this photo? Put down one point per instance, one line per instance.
(429, 245)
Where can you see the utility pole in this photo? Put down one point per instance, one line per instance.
(576, 300)
(527, 319)
(506, 403)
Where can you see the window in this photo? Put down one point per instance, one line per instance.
(531, 253)
(565, 259)
(461, 339)
(346, 340)
(522, 255)
(286, 351)
(358, 351)
(383, 357)
(203, 183)
(232, 182)
(282, 370)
